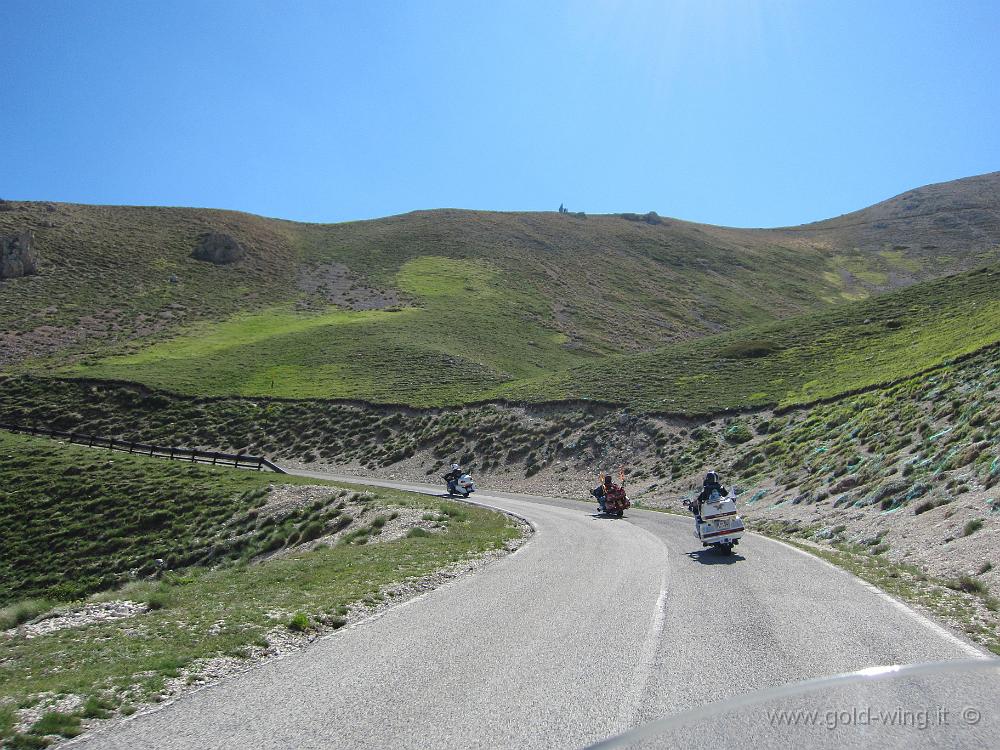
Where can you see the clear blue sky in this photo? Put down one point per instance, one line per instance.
(731, 112)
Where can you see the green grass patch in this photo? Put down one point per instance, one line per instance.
(468, 332)
(57, 722)
(97, 708)
(299, 622)
(75, 520)
(968, 584)
(20, 612)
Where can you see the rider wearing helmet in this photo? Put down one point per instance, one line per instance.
(710, 485)
(452, 477)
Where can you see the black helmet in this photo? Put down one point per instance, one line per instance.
(711, 478)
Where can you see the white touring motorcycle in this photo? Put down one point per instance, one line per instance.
(463, 486)
(718, 525)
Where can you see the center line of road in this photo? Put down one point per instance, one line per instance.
(630, 707)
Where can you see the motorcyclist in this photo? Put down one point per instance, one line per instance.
(709, 486)
(612, 492)
(452, 478)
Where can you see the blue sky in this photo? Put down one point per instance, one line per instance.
(731, 112)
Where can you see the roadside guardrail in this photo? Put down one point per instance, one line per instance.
(192, 455)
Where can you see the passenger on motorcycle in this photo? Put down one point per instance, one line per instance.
(612, 493)
(452, 478)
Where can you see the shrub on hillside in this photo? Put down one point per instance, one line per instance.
(749, 349)
(299, 622)
(738, 432)
(20, 612)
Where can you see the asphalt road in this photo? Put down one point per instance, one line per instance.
(595, 626)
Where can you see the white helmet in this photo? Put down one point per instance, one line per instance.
(456, 467)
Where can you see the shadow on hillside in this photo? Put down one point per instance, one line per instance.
(711, 556)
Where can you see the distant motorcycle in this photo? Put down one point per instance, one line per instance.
(617, 503)
(718, 524)
(614, 501)
(463, 486)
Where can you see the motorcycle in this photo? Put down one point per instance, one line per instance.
(616, 505)
(616, 501)
(463, 486)
(718, 525)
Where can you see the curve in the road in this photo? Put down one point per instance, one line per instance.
(595, 626)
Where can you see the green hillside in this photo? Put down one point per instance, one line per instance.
(446, 307)
(456, 342)
(800, 360)
(430, 355)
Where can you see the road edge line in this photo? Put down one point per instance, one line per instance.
(972, 649)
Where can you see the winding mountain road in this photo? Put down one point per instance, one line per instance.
(595, 626)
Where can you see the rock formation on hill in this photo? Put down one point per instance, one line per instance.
(218, 248)
(17, 255)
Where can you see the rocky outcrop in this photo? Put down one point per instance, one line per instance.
(17, 255)
(218, 248)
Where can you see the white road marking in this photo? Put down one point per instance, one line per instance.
(970, 649)
(630, 706)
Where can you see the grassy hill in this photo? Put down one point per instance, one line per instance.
(74, 521)
(799, 360)
(445, 307)
(77, 521)
(373, 356)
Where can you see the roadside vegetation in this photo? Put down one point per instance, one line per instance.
(914, 446)
(900, 485)
(238, 575)
(486, 438)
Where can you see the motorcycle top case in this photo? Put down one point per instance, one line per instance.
(720, 522)
(721, 508)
